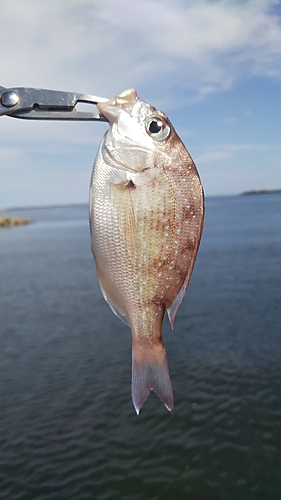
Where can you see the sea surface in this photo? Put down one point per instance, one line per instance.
(68, 429)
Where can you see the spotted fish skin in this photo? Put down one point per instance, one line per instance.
(146, 220)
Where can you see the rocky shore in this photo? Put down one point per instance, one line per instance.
(12, 221)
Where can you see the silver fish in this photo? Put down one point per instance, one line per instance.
(146, 220)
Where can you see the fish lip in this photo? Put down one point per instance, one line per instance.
(125, 101)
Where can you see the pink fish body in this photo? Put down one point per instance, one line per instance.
(146, 219)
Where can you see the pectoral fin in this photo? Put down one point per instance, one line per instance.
(124, 212)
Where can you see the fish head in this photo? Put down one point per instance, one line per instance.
(137, 130)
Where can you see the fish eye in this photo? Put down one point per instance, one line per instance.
(157, 127)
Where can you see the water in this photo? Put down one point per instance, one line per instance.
(68, 427)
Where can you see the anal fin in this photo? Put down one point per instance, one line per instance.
(111, 303)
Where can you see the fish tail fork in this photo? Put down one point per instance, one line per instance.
(150, 372)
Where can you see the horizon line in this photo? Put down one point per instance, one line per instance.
(82, 204)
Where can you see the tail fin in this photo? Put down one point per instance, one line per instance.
(150, 372)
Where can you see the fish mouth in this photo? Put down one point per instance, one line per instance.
(125, 101)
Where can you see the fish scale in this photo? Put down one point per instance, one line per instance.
(146, 218)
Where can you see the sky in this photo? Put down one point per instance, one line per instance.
(214, 66)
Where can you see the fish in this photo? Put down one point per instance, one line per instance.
(146, 218)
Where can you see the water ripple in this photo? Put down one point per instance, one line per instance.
(68, 427)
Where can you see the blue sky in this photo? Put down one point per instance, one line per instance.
(213, 66)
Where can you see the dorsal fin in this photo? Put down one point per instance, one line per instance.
(172, 310)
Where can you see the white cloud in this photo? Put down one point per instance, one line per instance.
(106, 46)
(224, 152)
(172, 52)
(212, 156)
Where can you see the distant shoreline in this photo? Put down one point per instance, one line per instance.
(73, 205)
(262, 191)
(42, 207)
(13, 221)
